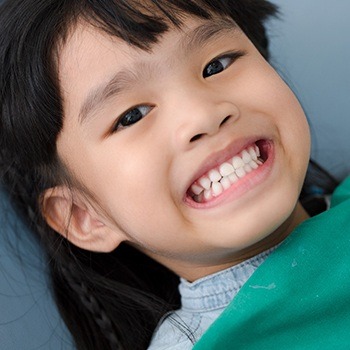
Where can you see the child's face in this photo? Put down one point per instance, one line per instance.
(194, 105)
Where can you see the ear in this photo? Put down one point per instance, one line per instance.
(73, 217)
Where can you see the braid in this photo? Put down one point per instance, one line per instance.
(89, 301)
(108, 295)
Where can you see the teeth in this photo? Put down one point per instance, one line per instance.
(257, 150)
(253, 153)
(205, 182)
(247, 168)
(217, 189)
(237, 162)
(240, 172)
(226, 169)
(208, 195)
(233, 178)
(225, 182)
(246, 157)
(216, 181)
(214, 175)
(253, 165)
(196, 189)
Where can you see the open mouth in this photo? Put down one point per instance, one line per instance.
(219, 179)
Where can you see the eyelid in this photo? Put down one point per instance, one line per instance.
(233, 55)
(117, 124)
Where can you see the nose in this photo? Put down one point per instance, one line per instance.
(201, 117)
(211, 129)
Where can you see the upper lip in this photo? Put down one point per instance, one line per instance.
(218, 157)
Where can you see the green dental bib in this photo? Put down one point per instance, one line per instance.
(299, 298)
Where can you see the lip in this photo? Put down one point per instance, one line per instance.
(244, 184)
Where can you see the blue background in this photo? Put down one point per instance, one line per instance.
(311, 50)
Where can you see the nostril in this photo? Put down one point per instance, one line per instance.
(196, 137)
(225, 120)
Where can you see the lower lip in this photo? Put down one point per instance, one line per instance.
(241, 187)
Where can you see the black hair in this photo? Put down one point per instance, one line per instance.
(108, 301)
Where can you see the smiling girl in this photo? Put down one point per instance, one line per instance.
(147, 140)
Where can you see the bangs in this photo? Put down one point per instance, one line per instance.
(141, 22)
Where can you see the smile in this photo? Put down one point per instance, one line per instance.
(221, 178)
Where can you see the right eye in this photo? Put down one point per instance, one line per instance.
(132, 116)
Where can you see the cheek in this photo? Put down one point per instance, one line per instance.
(271, 101)
(293, 128)
(272, 97)
(271, 94)
(128, 177)
(129, 185)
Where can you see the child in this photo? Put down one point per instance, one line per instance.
(146, 140)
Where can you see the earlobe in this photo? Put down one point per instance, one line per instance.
(74, 218)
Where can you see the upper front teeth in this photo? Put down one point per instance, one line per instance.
(226, 169)
(221, 178)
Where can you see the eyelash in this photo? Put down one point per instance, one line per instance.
(135, 114)
(231, 57)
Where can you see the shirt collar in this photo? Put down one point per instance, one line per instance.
(217, 290)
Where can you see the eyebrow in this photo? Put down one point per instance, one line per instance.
(124, 80)
(120, 83)
(207, 32)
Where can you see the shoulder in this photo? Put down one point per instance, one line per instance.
(174, 333)
(180, 330)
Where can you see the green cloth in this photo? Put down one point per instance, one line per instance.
(299, 298)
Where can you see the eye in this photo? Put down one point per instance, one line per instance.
(132, 116)
(219, 64)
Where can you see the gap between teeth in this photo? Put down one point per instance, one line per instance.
(221, 178)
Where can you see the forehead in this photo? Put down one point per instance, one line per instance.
(86, 59)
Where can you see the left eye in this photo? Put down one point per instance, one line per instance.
(220, 64)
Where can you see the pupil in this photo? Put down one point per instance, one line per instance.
(132, 117)
(214, 68)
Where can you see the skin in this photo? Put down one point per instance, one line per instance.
(136, 177)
